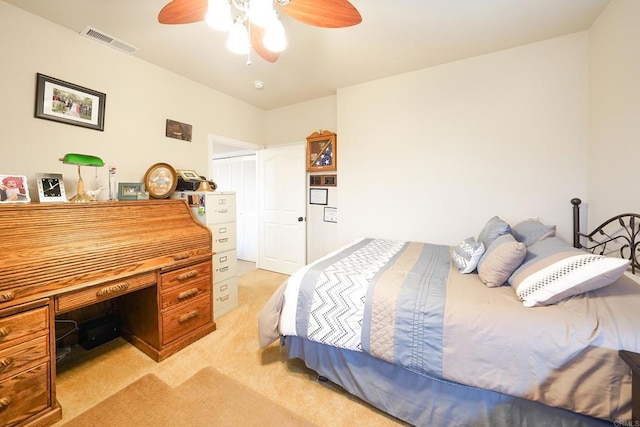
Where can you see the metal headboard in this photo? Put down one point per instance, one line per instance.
(620, 233)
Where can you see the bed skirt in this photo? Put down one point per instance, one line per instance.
(425, 401)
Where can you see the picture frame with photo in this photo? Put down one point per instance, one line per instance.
(130, 190)
(69, 103)
(14, 189)
(188, 175)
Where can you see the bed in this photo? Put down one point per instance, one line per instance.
(516, 327)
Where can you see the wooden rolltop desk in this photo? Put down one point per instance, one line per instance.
(151, 257)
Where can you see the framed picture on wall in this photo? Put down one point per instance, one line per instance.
(321, 151)
(68, 103)
(318, 196)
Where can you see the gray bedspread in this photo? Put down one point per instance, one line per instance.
(406, 304)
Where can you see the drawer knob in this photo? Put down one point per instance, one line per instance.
(111, 289)
(189, 316)
(179, 257)
(188, 294)
(188, 275)
(223, 298)
(7, 297)
(4, 402)
(5, 331)
(223, 269)
(5, 363)
(224, 240)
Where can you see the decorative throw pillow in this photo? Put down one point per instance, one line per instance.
(500, 260)
(554, 271)
(467, 254)
(531, 231)
(493, 229)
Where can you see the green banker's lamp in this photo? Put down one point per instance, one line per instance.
(81, 160)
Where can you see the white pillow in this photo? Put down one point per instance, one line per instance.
(467, 254)
(567, 277)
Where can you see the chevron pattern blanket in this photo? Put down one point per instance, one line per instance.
(379, 296)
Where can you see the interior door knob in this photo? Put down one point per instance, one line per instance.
(300, 219)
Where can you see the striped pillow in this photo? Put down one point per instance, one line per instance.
(554, 271)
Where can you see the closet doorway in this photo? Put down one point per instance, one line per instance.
(234, 168)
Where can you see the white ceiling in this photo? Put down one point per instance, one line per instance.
(395, 36)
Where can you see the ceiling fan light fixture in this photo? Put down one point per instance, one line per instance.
(261, 12)
(274, 38)
(238, 41)
(218, 15)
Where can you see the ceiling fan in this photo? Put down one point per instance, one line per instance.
(318, 13)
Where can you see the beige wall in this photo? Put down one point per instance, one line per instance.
(432, 155)
(140, 97)
(614, 113)
(429, 155)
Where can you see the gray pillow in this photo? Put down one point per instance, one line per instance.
(493, 229)
(531, 231)
(502, 258)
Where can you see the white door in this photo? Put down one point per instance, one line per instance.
(282, 208)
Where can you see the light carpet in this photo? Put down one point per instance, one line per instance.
(92, 377)
(208, 398)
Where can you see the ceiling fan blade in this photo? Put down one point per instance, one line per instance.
(183, 12)
(257, 35)
(323, 13)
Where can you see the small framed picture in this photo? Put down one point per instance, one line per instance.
(130, 190)
(318, 196)
(330, 214)
(13, 189)
(188, 175)
(178, 130)
(50, 187)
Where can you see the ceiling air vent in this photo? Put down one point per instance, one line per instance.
(103, 38)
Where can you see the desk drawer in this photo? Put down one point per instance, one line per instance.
(181, 294)
(24, 394)
(185, 318)
(225, 265)
(103, 292)
(23, 326)
(18, 357)
(186, 275)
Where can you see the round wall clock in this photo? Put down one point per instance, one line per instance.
(161, 180)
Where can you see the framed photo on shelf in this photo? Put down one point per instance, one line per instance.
(13, 189)
(318, 196)
(161, 180)
(188, 175)
(68, 103)
(50, 187)
(321, 151)
(130, 190)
